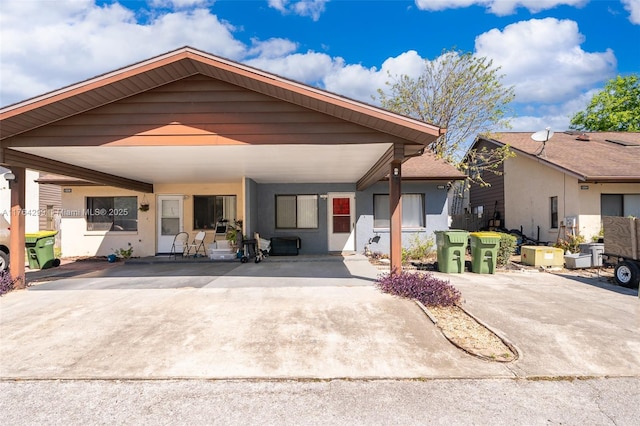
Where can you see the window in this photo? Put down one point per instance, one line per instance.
(296, 211)
(554, 212)
(478, 211)
(412, 211)
(209, 209)
(112, 213)
(620, 205)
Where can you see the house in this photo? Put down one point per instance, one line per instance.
(200, 138)
(34, 202)
(563, 185)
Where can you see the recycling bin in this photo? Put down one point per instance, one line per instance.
(484, 252)
(40, 249)
(451, 247)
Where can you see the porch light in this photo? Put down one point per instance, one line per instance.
(9, 177)
(396, 171)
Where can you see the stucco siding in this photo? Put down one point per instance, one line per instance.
(529, 187)
(436, 215)
(314, 241)
(77, 241)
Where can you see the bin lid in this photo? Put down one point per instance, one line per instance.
(485, 234)
(486, 237)
(33, 237)
(457, 235)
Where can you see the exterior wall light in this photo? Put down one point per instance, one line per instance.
(10, 177)
(396, 171)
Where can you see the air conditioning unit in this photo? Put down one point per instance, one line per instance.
(571, 222)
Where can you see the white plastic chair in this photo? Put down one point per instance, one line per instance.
(180, 243)
(197, 244)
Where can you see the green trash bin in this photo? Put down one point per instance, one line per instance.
(451, 247)
(484, 252)
(40, 249)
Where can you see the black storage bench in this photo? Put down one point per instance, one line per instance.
(285, 246)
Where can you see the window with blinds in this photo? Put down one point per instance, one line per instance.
(296, 211)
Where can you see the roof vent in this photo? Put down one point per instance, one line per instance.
(622, 143)
(583, 137)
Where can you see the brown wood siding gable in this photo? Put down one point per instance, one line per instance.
(200, 110)
(490, 197)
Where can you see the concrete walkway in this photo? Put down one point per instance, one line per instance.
(320, 318)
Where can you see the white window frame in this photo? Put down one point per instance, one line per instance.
(383, 223)
(305, 215)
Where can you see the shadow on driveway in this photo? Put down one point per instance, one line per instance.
(309, 272)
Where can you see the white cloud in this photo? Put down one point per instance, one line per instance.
(272, 48)
(311, 8)
(556, 116)
(180, 4)
(307, 67)
(543, 59)
(633, 7)
(358, 82)
(48, 45)
(498, 7)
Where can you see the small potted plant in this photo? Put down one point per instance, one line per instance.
(144, 204)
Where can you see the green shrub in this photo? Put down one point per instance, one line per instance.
(508, 244)
(420, 249)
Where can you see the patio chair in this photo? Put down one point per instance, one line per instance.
(197, 244)
(180, 244)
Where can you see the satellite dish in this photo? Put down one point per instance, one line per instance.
(542, 136)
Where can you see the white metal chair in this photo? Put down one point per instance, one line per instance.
(180, 244)
(197, 244)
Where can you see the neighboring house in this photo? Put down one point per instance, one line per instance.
(564, 185)
(200, 138)
(35, 200)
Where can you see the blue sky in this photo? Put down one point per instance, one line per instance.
(555, 53)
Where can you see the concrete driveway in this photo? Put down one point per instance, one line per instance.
(319, 318)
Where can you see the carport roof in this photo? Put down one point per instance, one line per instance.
(354, 142)
(173, 66)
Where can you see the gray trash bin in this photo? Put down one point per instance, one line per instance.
(595, 250)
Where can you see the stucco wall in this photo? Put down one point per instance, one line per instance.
(257, 200)
(590, 221)
(314, 241)
(31, 205)
(529, 187)
(436, 212)
(77, 241)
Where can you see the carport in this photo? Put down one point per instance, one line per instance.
(142, 125)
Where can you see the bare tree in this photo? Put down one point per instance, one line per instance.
(463, 93)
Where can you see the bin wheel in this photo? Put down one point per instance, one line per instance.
(244, 259)
(4, 260)
(627, 274)
(56, 263)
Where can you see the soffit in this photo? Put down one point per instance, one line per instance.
(228, 163)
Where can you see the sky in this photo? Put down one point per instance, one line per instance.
(555, 53)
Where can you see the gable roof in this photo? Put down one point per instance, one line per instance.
(589, 156)
(97, 131)
(187, 61)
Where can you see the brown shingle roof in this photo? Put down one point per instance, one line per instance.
(604, 157)
(428, 167)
